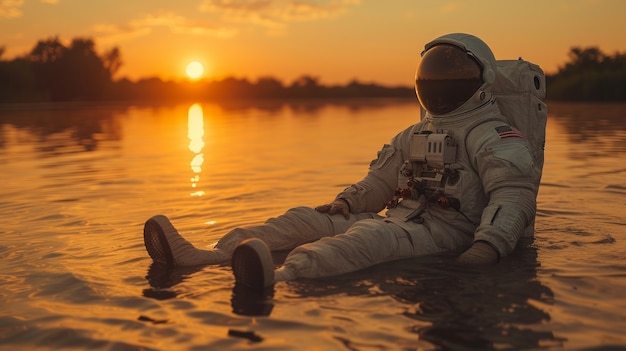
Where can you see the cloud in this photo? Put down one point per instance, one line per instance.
(449, 8)
(275, 14)
(144, 25)
(110, 33)
(179, 24)
(11, 8)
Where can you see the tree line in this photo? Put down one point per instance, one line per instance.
(52, 72)
(590, 75)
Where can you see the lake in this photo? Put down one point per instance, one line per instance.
(79, 180)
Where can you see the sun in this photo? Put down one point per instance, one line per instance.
(195, 70)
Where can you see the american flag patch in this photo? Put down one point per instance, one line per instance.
(509, 132)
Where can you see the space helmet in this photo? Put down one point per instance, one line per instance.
(454, 69)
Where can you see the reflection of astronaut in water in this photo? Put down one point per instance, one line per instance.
(458, 307)
(483, 309)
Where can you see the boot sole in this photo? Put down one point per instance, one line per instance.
(253, 265)
(156, 242)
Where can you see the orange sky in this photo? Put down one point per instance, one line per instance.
(334, 40)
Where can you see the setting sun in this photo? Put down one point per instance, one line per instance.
(195, 70)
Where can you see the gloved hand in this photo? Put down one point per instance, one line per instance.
(336, 207)
(479, 253)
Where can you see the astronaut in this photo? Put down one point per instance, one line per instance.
(459, 181)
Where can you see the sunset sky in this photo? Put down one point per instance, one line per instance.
(334, 40)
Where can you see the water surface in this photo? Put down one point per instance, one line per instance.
(78, 182)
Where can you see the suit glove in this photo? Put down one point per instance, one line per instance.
(480, 253)
(336, 207)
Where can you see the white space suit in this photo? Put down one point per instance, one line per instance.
(460, 176)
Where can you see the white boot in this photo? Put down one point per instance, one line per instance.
(253, 266)
(166, 245)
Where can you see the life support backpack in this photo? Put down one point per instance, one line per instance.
(519, 88)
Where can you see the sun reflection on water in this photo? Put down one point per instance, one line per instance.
(195, 133)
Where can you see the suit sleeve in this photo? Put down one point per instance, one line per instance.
(504, 163)
(374, 191)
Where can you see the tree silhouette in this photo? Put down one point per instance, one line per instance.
(53, 72)
(112, 61)
(45, 57)
(269, 87)
(84, 74)
(590, 75)
(47, 51)
(18, 82)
